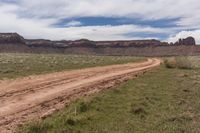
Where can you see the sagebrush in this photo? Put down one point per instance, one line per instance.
(179, 62)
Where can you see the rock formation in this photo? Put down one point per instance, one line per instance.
(13, 42)
(186, 41)
(11, 38)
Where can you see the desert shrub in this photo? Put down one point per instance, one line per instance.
(170, 63)
(84, 106)
(139, 109)
(184, 63)
(71, 121)
(179, 62)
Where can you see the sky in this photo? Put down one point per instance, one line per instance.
(166, 20)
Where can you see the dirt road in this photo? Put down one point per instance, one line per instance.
(38, 96)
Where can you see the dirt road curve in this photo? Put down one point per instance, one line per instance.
(38, 96)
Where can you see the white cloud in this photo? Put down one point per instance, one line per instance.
(42, 28)
(74, 23)
(145, 9)
(184, 34)
(35, 18)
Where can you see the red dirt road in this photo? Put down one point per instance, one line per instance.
(38, 96)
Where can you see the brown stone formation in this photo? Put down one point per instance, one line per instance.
(12, 42)
(186, 41)
(11, 38)
(131, 43)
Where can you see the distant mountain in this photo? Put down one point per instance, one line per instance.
(16, 38)
(13, 42)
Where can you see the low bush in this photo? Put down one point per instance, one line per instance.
(170, 63)
(184, 63)
(71, 121)
(178, 62)
(84, 106)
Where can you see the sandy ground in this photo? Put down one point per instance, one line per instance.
(39, 96)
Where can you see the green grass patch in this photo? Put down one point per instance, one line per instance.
(160, 101)
(19, 65)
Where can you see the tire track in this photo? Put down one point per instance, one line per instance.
(28, 98)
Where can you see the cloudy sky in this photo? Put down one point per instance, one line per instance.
(166, 20)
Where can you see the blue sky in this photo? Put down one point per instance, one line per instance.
(92, 21)
(102, 19)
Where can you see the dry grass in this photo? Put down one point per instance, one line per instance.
(184, 63)
(19, 65)
(179, 62)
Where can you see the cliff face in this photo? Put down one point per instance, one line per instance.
(13, 38)
(12, 42)
(186, 41)
(88, 43)
(132, 43)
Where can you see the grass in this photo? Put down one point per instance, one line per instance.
(19, 65)
(160, 101)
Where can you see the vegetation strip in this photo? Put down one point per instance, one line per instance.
(20, 65)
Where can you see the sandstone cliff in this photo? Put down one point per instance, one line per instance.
(11, 38)
(12, 42)
(186, 41)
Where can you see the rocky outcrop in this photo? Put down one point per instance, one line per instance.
(131, 43)
(186, 41)
(45, 43)
(11, 38)
(81, 43)
(60, 44)
(88, 43)
(13, 42)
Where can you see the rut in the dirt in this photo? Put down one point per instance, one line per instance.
(27, 98)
